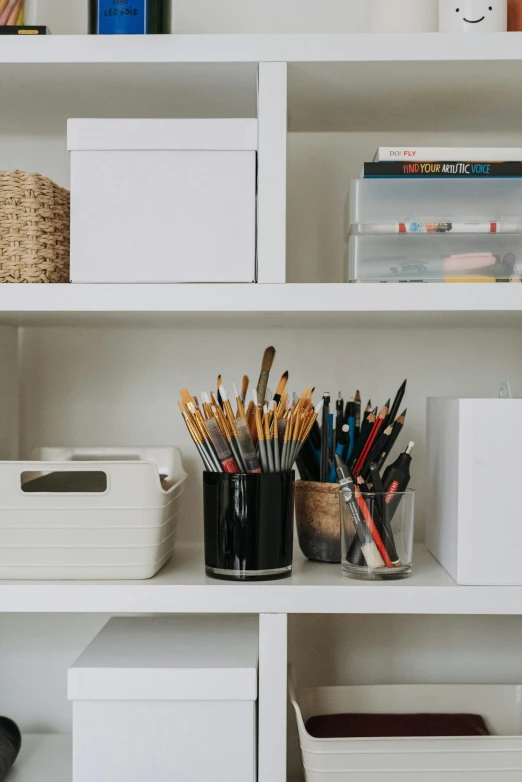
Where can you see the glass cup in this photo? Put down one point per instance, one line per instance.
(377, 545)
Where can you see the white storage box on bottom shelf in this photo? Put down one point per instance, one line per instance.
(163, 200)
(89, 513)
(494, 758)
(167, 700)
(473, 472)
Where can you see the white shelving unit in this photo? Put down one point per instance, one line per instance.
(182, 587)
(65, 358)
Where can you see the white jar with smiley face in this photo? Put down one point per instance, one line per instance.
(472, 16)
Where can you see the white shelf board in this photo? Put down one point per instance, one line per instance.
(337, 82)
(43, 758)
(183, 587)
(308, 305)
(253, 48)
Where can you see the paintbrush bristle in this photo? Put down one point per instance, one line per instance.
(244, 384)
(268, 359)
(281, 385)
(186, 395)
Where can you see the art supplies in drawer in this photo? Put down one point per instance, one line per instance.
(434, 257)
(85, 513)
(434, 200)
(483, 739)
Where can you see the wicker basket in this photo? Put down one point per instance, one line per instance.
(34, 229)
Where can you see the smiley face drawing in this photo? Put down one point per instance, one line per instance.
(472, 16)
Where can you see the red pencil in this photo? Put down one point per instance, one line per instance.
(373, 529)
(371, 439)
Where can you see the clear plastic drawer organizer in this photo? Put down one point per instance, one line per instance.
(434, 230)
(89, 513)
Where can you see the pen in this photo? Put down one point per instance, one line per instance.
(325, 467)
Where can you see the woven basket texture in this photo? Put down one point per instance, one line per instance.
(34, 229)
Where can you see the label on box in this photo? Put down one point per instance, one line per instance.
(122, 17)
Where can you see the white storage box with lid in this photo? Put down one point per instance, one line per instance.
(89, 513)
(494, 758)
(168, 200)
(167, 699)
(473, 524)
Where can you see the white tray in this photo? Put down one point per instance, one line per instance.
(496, 757)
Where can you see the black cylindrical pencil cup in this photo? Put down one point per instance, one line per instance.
(249, 523)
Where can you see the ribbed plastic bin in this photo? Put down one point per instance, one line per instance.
(88, 514)
(495, 758)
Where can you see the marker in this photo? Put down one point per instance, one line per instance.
(440, 228)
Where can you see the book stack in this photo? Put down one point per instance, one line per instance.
(438, 214)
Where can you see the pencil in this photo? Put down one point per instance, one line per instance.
(15, 14)
(366, 428)
(325, 467)
(397, 402)
(357, 427)
(363, 458)
(397, 429)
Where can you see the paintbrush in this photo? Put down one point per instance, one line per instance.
(222, 448)
(268, 440)
(198, 441)
(239, 403)
(228, 429)
(244, 388)
(247, 447)
(275, 439)
(268, 360)
(280, 388)
(260, 433)
(196, 419)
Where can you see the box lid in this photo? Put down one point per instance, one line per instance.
(162, 134)
(169, 658)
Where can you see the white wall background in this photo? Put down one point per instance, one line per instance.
(101, 386)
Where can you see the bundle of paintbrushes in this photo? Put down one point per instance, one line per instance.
(360, 438)
(265, 434)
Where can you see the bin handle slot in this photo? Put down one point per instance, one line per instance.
(63, 482)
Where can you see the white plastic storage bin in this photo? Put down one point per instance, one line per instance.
(479, 758)
(433, 257)
(89, 513)
(473, 506)
(167, 699)
(434, 200)
(163, 200)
